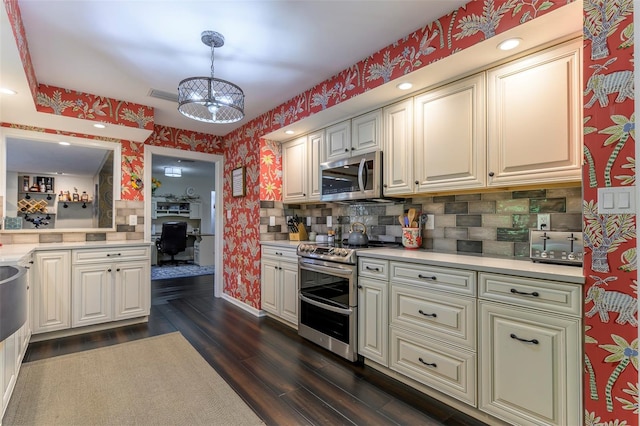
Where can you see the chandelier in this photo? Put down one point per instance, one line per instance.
(210, 99)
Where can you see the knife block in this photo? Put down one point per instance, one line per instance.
(301, 235)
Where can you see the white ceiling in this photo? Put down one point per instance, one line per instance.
(274, 50)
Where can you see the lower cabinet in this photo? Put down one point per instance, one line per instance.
(51, 310)
(76, 288)
(279, 272)
(530, 358)
(508, 346)
(12, 351)
(105, 292)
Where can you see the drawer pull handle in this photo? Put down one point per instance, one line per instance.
(369, 268)
(522, 293)
(430, 364)
(114, 254)
(278, 253)
(534, 341)
(424, 277)
(427, 315)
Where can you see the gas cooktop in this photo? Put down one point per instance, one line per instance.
(340, 252)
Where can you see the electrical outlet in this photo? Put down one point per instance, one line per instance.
(133, 220)
(544, 221)
(430, 222)
(329, 221)
(272, 221)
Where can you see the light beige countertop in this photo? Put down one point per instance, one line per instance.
(283, 243)
(10, 254)
(521, 268)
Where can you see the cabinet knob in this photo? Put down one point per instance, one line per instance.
(346, 150)
(118, 270)
(109, 270)
(416, 182)
(385, 186)
(353, 149)
(491, 174)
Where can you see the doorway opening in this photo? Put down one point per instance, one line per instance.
(186, 198)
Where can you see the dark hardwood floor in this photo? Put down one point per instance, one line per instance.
(284, 378)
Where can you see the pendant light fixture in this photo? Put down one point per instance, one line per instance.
(211, 99)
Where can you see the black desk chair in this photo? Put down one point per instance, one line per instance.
(173, 239)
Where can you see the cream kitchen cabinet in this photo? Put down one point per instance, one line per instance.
(51, 291)
(301, 160)
(279, 274)
(530, 350)
(373, 308)
(357, 136)
(433, 327)
(110, 285)
(398, 148)
(535, 118)
(450, 136)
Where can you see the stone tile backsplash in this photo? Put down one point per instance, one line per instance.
(492, 223)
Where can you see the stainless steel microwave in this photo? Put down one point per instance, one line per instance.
(354, 178)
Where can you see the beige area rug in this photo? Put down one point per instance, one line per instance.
(160, 380)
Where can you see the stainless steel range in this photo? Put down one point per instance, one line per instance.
(328, 296)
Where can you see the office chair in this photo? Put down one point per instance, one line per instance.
(173, 239)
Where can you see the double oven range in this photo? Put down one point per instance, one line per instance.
(328, 296)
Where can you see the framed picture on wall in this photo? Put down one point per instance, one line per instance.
(238, 182)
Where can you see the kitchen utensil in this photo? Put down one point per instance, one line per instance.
(358, 238)
(414, 224)
(401, 220)
(411, 215)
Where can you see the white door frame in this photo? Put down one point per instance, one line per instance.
(218, 160)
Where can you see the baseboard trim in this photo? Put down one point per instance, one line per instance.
(250, 309)
(39, 337)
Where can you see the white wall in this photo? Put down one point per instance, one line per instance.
(203, 186)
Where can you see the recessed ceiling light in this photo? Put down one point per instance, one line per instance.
(404, 86)
(99, 126)
(64, 143)
(289, 132)
(510, 43)
(6, 91)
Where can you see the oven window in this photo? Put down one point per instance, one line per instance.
(326, 322)
(326, 288)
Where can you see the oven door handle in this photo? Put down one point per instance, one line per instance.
(338, 270)
(324, 306)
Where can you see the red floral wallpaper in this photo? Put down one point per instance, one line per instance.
(611, 334)
(610, 267)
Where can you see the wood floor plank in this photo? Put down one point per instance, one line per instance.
(284, 378)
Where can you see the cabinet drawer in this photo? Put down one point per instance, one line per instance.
(553, 296)
(447, 369)
(434, 277)
(279, 252)
(445, 317)
(373, 268)
(110, 254)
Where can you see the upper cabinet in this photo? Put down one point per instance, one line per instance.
(516, 124)
(301, 160)
(358, 136)
(450, 136)
(398, 148)
(535, 118)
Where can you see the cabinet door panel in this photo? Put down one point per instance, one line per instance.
(538, 350)
(450, 136)
(270, 275)
(373, 324)
(535, 135)
(52, 291)
(294, 167)
(338, 141)
(366, 133)
(315, 146)
(398, 148)
(92, 292)
(289, 291)
(132, 293)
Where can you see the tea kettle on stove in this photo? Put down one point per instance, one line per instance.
(358, 238)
